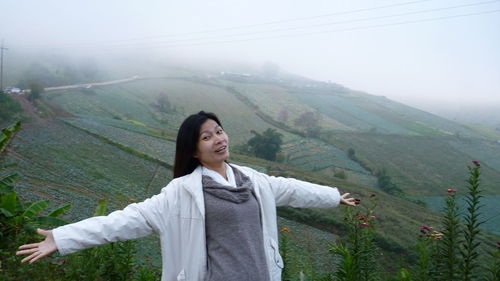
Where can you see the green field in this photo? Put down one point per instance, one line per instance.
(490, 213)
(118, 147)
(272, 99)
(424, 165)
(132, 101)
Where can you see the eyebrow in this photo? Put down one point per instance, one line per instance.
(208, 131)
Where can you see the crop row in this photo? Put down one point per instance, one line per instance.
(278, 103)
(488, 152)
(347, 112)
(313, 154)
(155, 147)
(64, 164)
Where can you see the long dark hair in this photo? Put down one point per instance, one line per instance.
(187, 141)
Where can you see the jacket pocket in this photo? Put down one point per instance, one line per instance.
(181, 275)
(276, 254)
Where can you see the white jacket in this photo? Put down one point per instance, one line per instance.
(177, 214)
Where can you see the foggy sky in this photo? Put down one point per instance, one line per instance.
(448, 57)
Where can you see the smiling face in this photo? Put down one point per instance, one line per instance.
(213, 145)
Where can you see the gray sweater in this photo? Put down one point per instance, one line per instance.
(235, 247)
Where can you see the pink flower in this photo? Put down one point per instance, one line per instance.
(357, 201)
(362, 218)
(476, 163)
(364, 224)
(451, 191)
(424, 229)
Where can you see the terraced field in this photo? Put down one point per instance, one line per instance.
(314, 155)
(418, 165)
(154, 147)
(63, 164)
(187, 96)
(487, 152)
(365, 112)
(273, 99)
(418, 121)
(349, 113)
(66, 165)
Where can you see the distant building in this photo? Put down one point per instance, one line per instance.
(13, 90)
(236, 76)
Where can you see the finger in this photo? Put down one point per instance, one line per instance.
(37, 258)
(42, 232)
(28, 258)
(345, 195)
(26, 252)
(29, 246)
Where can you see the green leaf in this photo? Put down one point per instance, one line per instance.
(6, 189)
(6, 213)
(49, 221)
(8, 180)
(59, 211)
(7, 132)
(100, 210)
(35, 208)
(8, 202)
(16, 127)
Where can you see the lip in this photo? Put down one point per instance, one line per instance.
(221, 149)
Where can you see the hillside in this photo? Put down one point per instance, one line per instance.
(112, 142)
(72, 163)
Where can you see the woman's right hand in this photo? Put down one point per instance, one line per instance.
(37, 251)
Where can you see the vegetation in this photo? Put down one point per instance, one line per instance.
(18, 221)
(10, 109)
(7, 134)
(458, 251)
(119, 147)
(163, 104)
(266, 145)
(36, 88)
(385, 183)
(309, 122)
(358, 254)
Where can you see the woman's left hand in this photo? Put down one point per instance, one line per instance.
(349, 201)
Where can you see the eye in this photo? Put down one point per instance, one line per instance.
(220, 131)
(205, 138)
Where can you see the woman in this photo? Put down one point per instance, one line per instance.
(216, 221)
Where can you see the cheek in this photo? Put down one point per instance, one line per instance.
(201, 150)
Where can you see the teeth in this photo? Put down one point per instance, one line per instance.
(220, 149)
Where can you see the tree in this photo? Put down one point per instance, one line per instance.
(385, 183)
(266, 145)
(162, 103)
(36, 89)
(309, 121)
(283, 115)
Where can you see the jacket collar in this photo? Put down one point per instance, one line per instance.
(193, 185)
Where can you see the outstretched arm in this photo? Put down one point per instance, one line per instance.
(39, 250)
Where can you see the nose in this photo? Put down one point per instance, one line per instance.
(219, 138)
